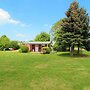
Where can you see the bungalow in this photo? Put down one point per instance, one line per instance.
(36, 46)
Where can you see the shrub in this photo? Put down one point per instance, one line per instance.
(46, 50)
(24, 49)
(87, 45)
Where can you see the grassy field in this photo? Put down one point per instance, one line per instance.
(44, 72)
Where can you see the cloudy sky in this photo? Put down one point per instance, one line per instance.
(24, 19)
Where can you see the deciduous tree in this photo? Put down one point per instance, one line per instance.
(43, 36)
(4, 42)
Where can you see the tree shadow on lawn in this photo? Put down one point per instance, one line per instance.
(67, 54)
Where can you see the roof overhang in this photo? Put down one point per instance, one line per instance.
(36, 42)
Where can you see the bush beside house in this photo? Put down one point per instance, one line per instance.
(24, 49)
(46, 50)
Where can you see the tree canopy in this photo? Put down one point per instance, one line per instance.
(14, 45)
(6, 43)
(43, 36)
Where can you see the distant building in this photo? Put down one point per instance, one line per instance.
(36, 46)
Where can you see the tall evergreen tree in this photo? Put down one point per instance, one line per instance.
(75, 27)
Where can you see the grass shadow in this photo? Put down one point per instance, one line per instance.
(63, 54)
(67, 54)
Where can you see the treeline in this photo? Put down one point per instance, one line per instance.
(7, 44)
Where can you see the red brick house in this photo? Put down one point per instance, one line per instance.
(36, 46)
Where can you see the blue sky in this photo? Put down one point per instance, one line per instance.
(24, 19)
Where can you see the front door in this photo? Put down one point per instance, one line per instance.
(36, 48)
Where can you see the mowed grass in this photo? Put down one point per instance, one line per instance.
(44, 72)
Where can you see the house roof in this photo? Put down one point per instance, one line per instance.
(37, 42)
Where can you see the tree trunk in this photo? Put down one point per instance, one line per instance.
(69, 48)
(72, 50)
(78, 52)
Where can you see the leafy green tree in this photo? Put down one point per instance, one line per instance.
(14, 45)
(56, 29)
(43, 36)
(4, 42)
(56, 34)
(57, 25)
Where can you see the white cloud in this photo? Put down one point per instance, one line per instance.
(12, 21)
(5, 18)
(47, 25)
(20, 35)
(25, 25)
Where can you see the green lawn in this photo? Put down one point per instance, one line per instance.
(44, 72)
